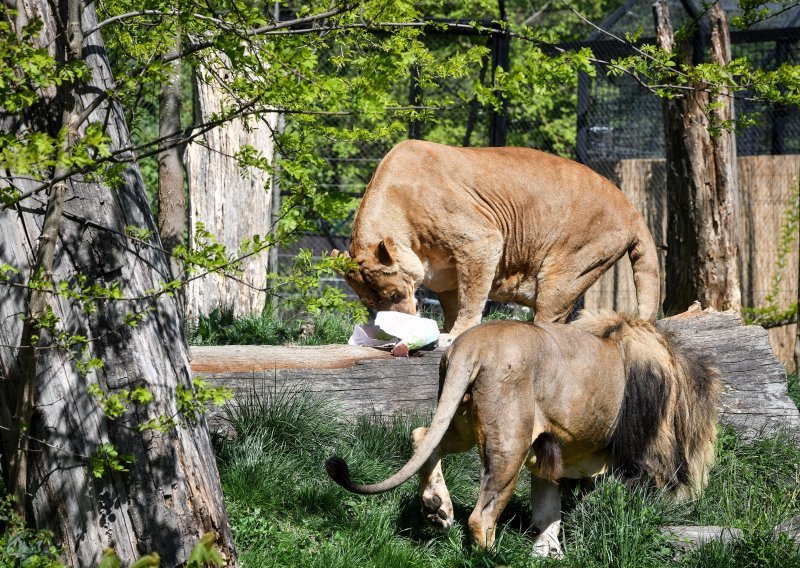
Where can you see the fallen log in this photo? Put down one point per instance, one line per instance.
(362, 380)
(686, 537)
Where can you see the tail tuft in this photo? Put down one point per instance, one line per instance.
(338, 471)
(548, 457)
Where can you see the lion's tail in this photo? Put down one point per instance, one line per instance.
(666, 426)
(646, 277)
(459, 373)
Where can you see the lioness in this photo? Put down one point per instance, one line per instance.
(565, 401)
(511, 224)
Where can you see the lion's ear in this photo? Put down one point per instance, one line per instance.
(387, 251)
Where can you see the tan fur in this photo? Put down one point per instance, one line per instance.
(511, 224)
(611, 391)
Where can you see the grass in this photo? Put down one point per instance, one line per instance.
(222, 327)
(285, 511)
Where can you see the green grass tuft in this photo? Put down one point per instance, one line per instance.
(222, 327)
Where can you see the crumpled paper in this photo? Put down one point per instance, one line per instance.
(398, 331)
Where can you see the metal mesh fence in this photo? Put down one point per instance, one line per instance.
(622, 120)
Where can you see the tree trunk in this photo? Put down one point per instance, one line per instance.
(172, 494)
(702, 249)
(232, 204)
(171, 200)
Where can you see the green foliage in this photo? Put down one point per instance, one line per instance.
(753, 485)
(152, 560)
(109, 559)
(526, 314)
(107, 459)
(206, 252)
(294, 422)
(284, 509)
(23, 547)
(193, 402)
(26, 72)
(204, 554)
(115, 404)
(300, 287)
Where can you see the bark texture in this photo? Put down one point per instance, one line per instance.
(702, 242)
(171, 199)
(172, 494)
(231, 203)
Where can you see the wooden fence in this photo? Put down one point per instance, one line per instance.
(767, 185)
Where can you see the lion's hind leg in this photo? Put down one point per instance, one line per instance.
(504, 435)
(437, 506)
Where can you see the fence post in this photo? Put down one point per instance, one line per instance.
(415, 99)
(581, 139)
(498, 119)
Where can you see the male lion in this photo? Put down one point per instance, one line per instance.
(511, 224)
(565, 401)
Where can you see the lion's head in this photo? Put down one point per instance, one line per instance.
(385, 278)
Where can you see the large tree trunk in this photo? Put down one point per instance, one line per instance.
(172, 494)
(232, 204)
(702, 257)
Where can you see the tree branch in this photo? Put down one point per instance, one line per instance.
(158, 13)
(195, 47)
(43, 269)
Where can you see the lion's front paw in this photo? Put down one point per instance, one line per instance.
(438, 513)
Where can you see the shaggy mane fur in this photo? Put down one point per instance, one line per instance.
(666, 427)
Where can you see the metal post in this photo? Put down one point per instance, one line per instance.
(581, 140)
(415, 99)
(498, 121)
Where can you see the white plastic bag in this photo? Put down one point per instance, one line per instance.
(392, 328)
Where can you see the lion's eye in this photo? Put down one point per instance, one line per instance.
(396, 296)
